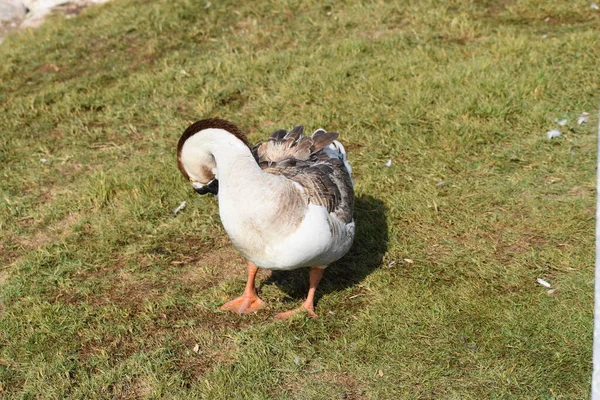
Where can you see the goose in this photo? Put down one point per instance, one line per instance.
(285, 203)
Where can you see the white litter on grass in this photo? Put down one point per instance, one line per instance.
(179, 208)
(441, 183)
(554, 133)
(594, 6)
(543, 282)
(196, 348)
(331, 313)
(545, 36)
(43, 160)
(297, 360)
(391, 264)
(561, 122)
(584, 118)
(184, 72)
(388, 163)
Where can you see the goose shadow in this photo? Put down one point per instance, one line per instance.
(366, 254)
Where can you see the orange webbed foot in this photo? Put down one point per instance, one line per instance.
(314, 275)
(309, 308)
(249, 301)
(244, 305)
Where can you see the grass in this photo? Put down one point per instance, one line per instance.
(105, 295)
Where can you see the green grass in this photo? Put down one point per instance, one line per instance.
(105, 295)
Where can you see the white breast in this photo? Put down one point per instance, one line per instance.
(318, 241)
(252, 225)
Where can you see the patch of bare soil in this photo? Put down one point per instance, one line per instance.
(203, 350)
(348, 388)
(14, 246)
(497, 6)
(53, 233)
(212, 268)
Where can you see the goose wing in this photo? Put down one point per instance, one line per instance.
(322, 175)
(293, 144)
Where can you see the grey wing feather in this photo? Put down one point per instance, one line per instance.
(295, 133)
(322, 139)
(325, 181)
(278, 134)
(293, 144)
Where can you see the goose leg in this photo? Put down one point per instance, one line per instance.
(315, 275)
(249, 301)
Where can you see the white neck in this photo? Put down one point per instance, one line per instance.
(241, 180)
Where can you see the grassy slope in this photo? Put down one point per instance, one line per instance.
(105, 294)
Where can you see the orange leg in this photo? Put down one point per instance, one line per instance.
(249, 301)
(314, 277)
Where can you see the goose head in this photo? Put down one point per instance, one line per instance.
(200, 169)
(196, 164)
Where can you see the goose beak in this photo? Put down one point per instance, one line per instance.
(210, 187)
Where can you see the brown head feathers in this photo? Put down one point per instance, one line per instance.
(214, 123)
(209, 123)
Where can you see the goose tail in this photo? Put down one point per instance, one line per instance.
(337, 150)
